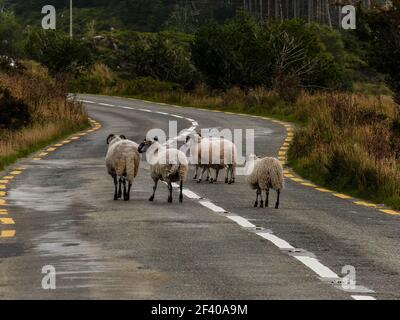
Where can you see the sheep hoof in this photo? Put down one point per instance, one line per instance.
(277, 206)
(226, 180)
(151, 199)
(199, 181)
(126, 199)
(262, 204)
(195, 177)
(208, 179)
(180, 200)
(169, 200)
(115, 198)
(256, 204)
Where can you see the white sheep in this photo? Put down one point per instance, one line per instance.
(122, 162)
(213, 153)
(266, 174)
(168, 165)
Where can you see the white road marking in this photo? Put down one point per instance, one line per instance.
(106, 105)
(212, 206)
(317, 267)
(241, 221)
(280, 243)
(363, 298)
(163, 113)
(190, 194)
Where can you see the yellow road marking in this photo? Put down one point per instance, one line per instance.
(391, 212)
(43, 154)
(15, 173)
(4, 181)
(282, 153)
(8, 177)
(75, 138)
(2, 193)
(8, 234)
(323, 190)
(297, 180)
(2, 187)
(3, 211)
(309, 184)
(289, 139)
(7, 221)
(342, 196)
(51, 149)
(284, 148)
(2, 202)
(66, 141)
(37, 159)
(288, 175)
(365, 204)
(58, 145)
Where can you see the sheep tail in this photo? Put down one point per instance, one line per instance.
(130, 169)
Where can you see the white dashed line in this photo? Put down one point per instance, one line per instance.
(280, 243)
(191, 194)
(241, 221)
(317, 267)
(106, 105)
(363, 298)
(212, 206)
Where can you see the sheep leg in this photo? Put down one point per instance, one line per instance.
(258, 195)
(169, 192)
(210, 174)
(202, 175)
(124, 185)
(216, 175)
(154, 190)
(278, 198)
(227, 175)
(120, 188)
(262, 201)
(127, 195)
(181, 192)
(196, 172)
(115, 187)
(267, 198)
(230, 171)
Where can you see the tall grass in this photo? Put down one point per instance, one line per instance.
(52, 115)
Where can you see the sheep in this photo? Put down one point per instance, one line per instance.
(213, 153)
(122, 161)
(168, 165)
(266, 174)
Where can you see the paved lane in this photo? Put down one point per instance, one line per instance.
(64, 216)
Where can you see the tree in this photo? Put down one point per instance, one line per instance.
(380, 32)
(10, 35)
(59, 53)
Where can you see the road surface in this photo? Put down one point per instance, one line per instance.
(63, 213)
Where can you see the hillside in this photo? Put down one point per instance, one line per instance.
(142, 15)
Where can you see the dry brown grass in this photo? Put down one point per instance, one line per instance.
(52, 115)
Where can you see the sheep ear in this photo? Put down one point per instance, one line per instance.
(110, 137)
(122, 137)
(155, 138)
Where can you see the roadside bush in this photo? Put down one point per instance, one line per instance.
(14, 113)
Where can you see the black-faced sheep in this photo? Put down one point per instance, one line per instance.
(266, 174)
(168, 165)
(122, 162)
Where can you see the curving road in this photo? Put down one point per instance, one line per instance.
(215, 247)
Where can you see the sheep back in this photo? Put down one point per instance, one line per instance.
(267, 174)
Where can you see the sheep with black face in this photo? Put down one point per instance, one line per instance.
(168, 165)
(122, 163)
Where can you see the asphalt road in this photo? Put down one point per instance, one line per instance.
(65, 217)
